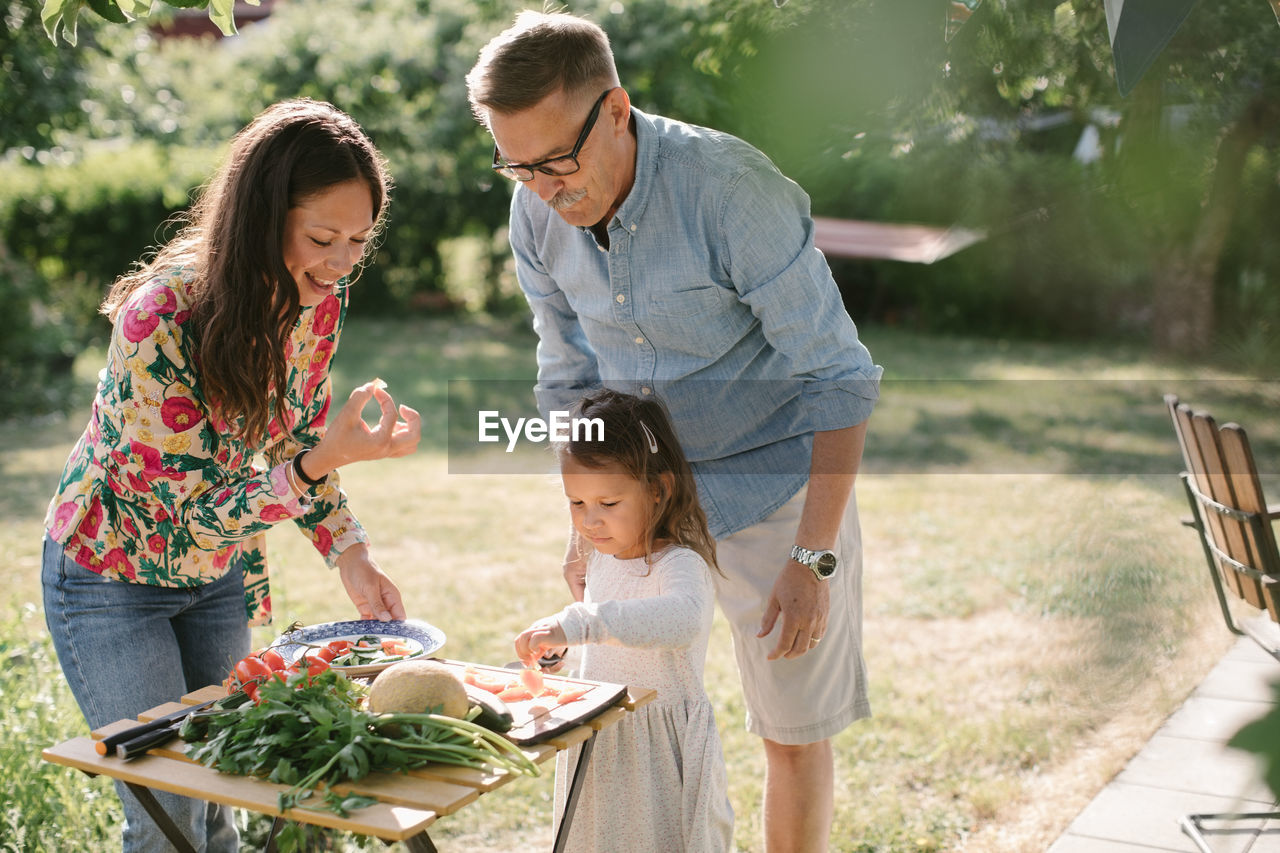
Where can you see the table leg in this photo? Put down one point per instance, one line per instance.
(575, 788)
(270, 846)
(420, 843)
(161, 817)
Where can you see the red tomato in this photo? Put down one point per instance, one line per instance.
(272, 658)
(252, 669)
(326, 654)
(340, 647)
(251, 690)
(394, 647)
(315, 666)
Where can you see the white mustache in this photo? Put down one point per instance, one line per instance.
(562, 200)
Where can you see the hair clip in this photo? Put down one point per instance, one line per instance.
(653, 442)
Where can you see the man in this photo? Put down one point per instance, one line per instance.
(662, 258)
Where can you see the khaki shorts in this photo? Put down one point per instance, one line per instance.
(814, 696)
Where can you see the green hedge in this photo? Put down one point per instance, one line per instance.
(79, 224)
(67, 230)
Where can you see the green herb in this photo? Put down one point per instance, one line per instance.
(310, 734)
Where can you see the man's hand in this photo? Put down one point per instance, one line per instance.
(575, 567)
(803, 602)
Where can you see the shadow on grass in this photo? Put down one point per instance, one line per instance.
(1070, 426)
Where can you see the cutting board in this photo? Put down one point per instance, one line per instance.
(541, 718)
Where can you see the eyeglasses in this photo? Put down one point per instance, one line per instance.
(566, 164)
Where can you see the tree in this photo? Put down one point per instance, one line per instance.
(41, 94)
(62, 17)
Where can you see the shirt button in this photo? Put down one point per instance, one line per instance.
(621, 299)
(633, 226)
(639, 340)
(646, 390)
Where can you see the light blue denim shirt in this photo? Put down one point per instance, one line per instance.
(710, 295)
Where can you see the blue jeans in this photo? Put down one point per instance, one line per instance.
(126, 647)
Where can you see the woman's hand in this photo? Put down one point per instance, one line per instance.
(543, 635)
(368, 587)
(349, 439)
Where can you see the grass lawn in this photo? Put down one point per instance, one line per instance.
(1033, 607)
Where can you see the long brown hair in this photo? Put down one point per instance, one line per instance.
(244, 302)
(638, 437)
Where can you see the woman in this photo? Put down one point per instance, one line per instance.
(154, 564)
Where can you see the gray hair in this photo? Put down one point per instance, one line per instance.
(542, 53)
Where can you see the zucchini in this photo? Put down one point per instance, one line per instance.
(494, 714)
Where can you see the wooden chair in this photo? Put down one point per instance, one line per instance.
(1234, 522)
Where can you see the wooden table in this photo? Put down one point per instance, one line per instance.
(407, 804)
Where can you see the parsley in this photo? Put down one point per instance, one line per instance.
(311, 734)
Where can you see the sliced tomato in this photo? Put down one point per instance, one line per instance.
(326, 654)
(515, 694)
(340, 647)
(493, 685)
(395, 647)
(572, 693)
(532, 679)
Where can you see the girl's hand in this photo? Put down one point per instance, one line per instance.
(368, 587)
(543, 635)
(349, 439)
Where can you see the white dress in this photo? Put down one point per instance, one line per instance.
(656, 781)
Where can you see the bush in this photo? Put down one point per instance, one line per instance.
(78, 223)
(37, 345)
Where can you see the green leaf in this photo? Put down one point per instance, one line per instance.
(60, 15)
(1262, 737)
(222, 13)
(133, 9)
(108, 10)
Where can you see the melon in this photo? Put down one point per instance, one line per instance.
(417, 687)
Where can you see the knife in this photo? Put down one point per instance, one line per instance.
(140, 744)
(110, 743)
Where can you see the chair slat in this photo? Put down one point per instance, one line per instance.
(1194, 461)
(1204, 459)
(1260, 538)
(1234, 541)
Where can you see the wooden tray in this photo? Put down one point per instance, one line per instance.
(538, 719)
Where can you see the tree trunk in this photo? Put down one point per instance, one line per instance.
(1183, 304)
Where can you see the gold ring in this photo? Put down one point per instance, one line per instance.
(813, 641)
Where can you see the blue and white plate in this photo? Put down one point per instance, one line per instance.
(415, 632)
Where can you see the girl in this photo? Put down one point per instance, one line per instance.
(656, 782)
(154, 559)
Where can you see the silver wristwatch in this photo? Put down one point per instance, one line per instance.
(823, 564)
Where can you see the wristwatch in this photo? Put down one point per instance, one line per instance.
(822, 563)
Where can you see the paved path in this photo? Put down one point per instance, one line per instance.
(1187, 768)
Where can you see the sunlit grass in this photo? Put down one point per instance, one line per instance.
(1033, 607)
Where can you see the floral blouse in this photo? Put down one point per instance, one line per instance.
(158, 491)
